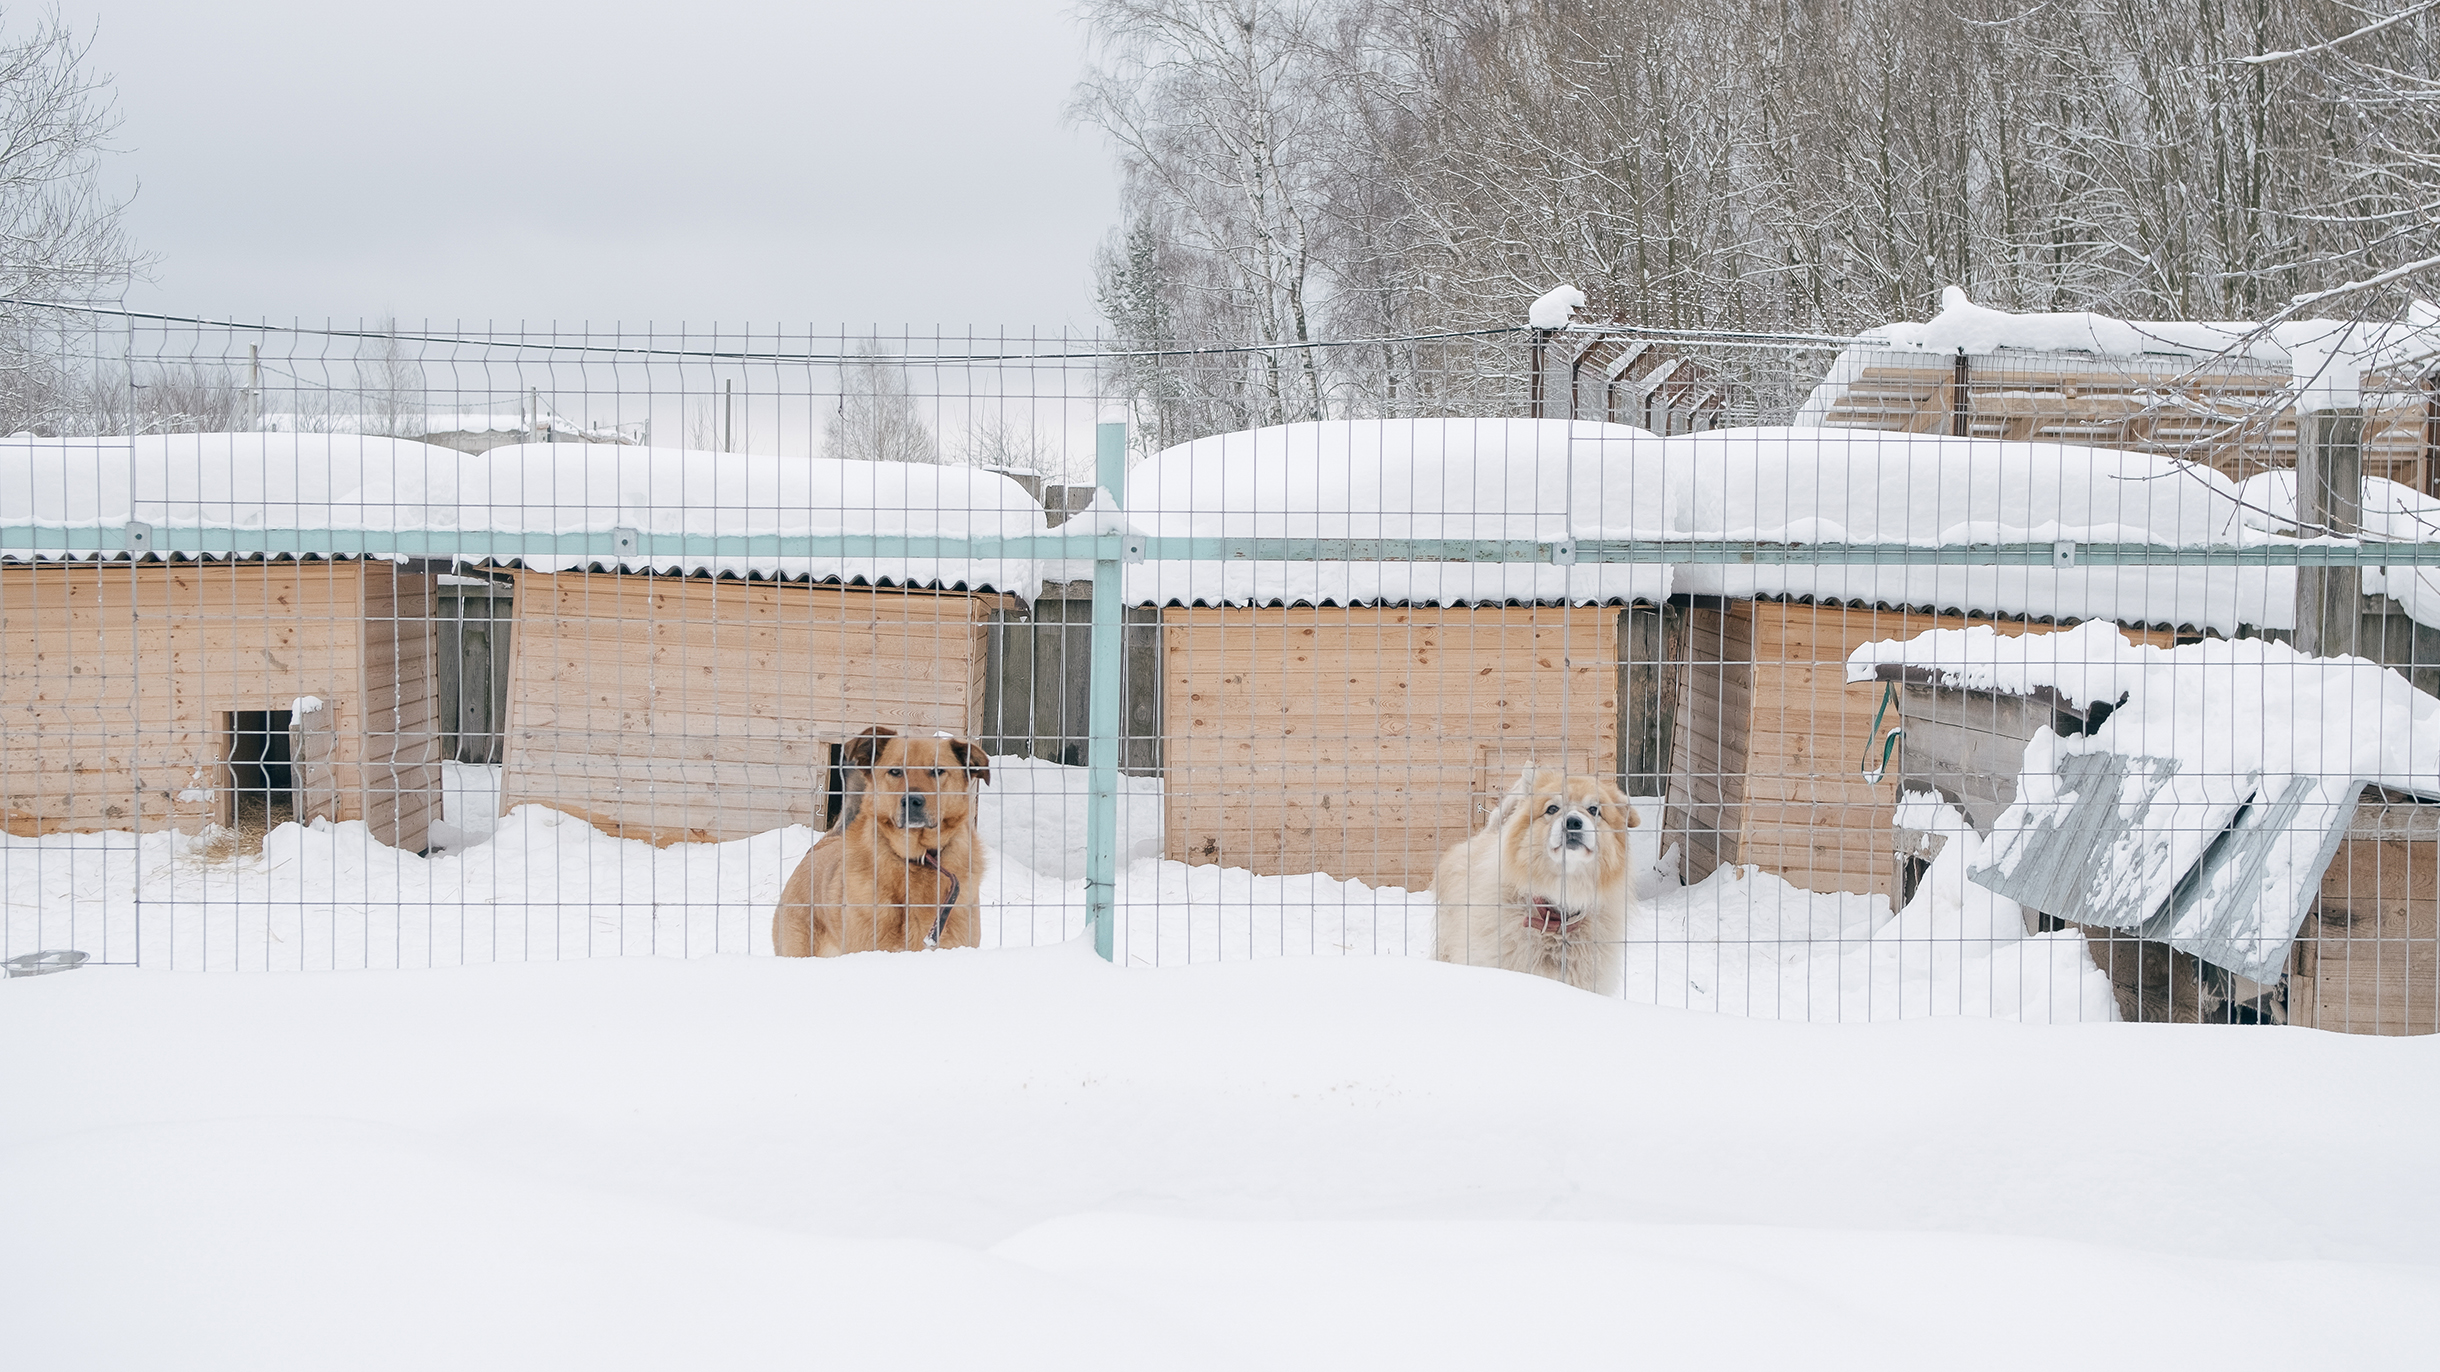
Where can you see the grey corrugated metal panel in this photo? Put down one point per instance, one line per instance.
(2090, 858)
(2241, 906)
(2226, 871)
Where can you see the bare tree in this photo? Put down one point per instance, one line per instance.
(61, 239)
(1404, 167)
(1222, 126)
(877, 419)
(390, 379)
(1008, 443)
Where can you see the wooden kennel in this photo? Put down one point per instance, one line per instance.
(141, 695)
(1767, 754)
(2366, 959)
(695, 709)
(1363, 741)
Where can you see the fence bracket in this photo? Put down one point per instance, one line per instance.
(1563, 553)
(139, 536)
(2063, 554)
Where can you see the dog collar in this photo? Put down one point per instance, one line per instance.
(940, 920)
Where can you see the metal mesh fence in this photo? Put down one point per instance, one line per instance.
(417, 646)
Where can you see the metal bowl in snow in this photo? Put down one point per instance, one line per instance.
(43, 963)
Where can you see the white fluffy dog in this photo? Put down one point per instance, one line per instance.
(1544, 887)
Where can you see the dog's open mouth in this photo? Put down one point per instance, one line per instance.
(1548, 918)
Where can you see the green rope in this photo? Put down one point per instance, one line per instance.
(1872, 774)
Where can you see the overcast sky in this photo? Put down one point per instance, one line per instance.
(814, 161)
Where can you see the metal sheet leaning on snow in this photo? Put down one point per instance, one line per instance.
(2110, 849)
(2242, 905)
(2222, 855)
(2101, 837)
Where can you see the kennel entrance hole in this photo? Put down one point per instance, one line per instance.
(262, 773)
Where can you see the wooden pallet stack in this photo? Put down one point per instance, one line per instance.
(2236, 417)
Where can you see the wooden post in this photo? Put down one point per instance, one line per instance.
(1961, 407)
(1541, 342)
(2431, 435)
(2329, 502)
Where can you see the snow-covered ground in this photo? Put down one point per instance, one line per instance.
(1023, 1158)
(539, 885)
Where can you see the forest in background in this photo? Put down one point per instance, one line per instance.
(1301, 170)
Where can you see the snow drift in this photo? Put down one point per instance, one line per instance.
(1033, 1160)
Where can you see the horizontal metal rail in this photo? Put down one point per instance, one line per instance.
(628, 545)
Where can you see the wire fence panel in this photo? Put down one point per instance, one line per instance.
(1787, 677)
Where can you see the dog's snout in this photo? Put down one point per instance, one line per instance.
(1575, 823)
(914, 811)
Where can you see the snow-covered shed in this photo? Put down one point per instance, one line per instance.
(2234, 804)
(692, 696)
(140, 691)
(704, 697)
(1352, 718)
(2221, 393)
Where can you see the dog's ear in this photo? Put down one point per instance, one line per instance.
(1515, 797)
(971, 756)
(864, 750)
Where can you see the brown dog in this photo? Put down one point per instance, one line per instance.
(901, 869)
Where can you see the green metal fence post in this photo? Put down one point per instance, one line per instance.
(1104, 712)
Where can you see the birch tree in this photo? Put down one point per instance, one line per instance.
(61, 237)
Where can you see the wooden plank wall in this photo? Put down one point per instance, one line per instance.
(1361, 742)
(694, 710)
(401, 721)
(1807, 813)
(116, 680)
(1705, 812)
(2367, 960)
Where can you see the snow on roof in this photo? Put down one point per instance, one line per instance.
(349, 482)
(2246, 736)
(2326, 358)
(2390, 511)
(1546, 479)
(1399, 478)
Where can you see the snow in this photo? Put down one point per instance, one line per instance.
(304, 705)
(1033, 813)
(1745, 942)
(348, 482)
(1029, 1159)
(2326, 358)
(539, 885)
(1554, 308)
(2390, 511)
(2240, 718)
(1524, 479)
(1543, 480)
